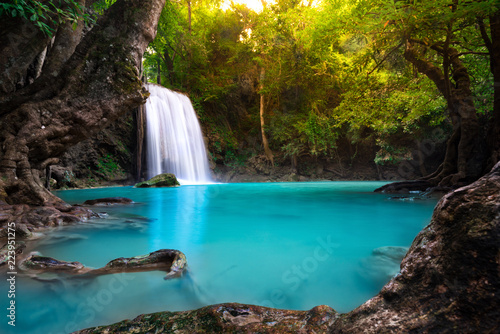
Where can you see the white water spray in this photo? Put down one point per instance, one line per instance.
(174, 139)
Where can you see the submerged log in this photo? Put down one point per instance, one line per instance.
(170, 260)
(449, 282)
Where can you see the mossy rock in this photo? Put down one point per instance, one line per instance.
(161, 180)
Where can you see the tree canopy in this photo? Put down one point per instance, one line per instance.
(385, 71)
(305, 79)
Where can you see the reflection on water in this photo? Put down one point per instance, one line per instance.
(284, 245)
(178, 216)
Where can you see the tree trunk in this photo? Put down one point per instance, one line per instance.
(95, 85)
(464, 157)
(158, 71)
(265, 143)
(169, 61)
(493, 44)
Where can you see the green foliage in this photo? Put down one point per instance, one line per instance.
(101, 5)
(391, 155)
(45, 14)
(329, 70)
(109, 167)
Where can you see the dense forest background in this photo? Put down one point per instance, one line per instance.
(328, 89)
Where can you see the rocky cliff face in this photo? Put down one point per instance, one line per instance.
(448, 283)
(107, 158)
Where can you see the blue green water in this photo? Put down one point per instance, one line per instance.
(284, 245)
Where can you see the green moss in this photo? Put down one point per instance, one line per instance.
(108, 167)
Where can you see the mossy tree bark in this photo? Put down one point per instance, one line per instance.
(87, 82)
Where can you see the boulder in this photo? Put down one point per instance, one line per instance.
(108, 201)
(161, 180)
(227, 318)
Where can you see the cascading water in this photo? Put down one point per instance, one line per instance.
(174, 139)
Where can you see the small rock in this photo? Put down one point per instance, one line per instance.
(108, 201)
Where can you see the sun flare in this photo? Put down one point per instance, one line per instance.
(255, 5)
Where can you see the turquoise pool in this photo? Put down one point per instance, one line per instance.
(283, 245)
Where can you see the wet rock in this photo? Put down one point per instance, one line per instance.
(30, 218)
(4, 251)
(227, 318)
(405, 186)
(161, 180)
(108, 201)
(19, 231)
(36, 262)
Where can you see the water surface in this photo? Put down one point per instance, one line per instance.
(284, 245)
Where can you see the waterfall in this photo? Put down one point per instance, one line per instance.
(174, 139)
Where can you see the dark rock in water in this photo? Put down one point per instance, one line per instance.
(108, 201)
(227, 318)
(4, 251)
(161, 180)
(47, 264)
(404, 187)
(449, 283)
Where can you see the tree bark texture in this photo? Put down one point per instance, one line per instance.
(76, 95)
